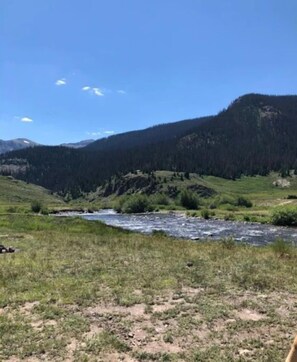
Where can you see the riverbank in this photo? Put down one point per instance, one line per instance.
(81, 291)
(181, 225)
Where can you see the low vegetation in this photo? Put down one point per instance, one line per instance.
(285, 216)
(78, 290)
(189, 200)
(17, 196)
(134, 204)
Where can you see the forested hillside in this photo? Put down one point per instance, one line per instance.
(254, 135)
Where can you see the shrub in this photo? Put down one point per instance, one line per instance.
(229, 217)
(189, 200)
(36, 206)
(12, 209)
(44, 210)
(205, 214)
(224, 199)
(243, 202)
(285, 216)
(136, 204)
(160, 199)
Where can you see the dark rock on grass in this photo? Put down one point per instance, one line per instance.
(3, 249)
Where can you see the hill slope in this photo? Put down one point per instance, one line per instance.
(254, 135)
(16, 192)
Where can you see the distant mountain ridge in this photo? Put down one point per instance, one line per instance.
(21, 143)
(80, 144)
(255, 134)
(15, 144)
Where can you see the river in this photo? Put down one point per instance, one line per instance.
(181, 226)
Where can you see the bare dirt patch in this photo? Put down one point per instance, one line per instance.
(27, 308)
(135, 310)
(161, 347)
(249, 315)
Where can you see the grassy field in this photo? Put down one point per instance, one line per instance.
(16, 196)
(80, 291)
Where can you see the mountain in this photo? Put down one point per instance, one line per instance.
(80, 144)
(16, 144)
(255, 134)
(148, 136)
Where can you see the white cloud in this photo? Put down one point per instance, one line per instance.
(26, 119)
(101, 133)
(120, 91)
(94, 134)
(60, 82)
(97, 92)
(93, 90)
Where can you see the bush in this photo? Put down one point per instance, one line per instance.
(136, 204)
(246, 218)
(44, 210)
(243, 202)
(36, 206)
(205, 214)
(189, 200)
(160, 199)
(12, 209)
(224, 200)
(285, 217)
(229, 217)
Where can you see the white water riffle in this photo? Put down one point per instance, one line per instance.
(181, 226)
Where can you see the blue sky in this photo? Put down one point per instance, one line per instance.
(78, 69)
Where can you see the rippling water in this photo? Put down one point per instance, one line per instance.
(181, 226)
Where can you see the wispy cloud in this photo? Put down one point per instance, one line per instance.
(94, 134)
(100, 133)
(120, 91)
(60, 82)
(93, 90)
(98, 92)
(26, 119)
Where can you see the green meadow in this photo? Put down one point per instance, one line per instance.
(78, 290)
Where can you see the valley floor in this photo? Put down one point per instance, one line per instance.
(82, 291)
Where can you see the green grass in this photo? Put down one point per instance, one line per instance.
(258, 192)
(80, 290)
(16, 196)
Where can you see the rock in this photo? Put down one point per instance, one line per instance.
(3, 249)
